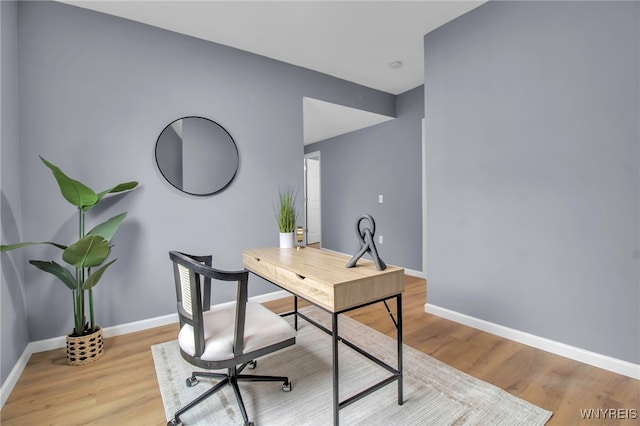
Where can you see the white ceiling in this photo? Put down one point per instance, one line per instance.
(324, 120)
(352, 40)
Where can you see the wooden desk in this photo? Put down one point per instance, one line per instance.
(321, 278)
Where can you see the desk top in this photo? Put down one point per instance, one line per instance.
(321, 277)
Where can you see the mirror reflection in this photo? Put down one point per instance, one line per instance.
(197, 155)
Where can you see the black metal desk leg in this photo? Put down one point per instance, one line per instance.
(400, 379)
(336, 392)
(295, 312)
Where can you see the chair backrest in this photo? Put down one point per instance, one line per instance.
(192, 277)
(184, 275)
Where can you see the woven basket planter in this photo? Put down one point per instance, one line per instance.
(85, 349)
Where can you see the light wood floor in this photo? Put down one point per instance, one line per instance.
(121, 388)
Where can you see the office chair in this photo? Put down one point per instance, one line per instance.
(230, 335)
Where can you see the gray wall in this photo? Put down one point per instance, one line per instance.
(532, 170)
(385, 159)
(95, 92)
(14, 335)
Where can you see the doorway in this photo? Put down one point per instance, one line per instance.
(312, 205)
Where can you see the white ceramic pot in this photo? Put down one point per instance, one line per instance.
(286, 239)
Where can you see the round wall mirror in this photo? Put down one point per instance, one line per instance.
(197, 155)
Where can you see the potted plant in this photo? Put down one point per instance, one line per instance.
(87, 255)
(286, 216)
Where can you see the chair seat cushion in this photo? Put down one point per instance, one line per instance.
(262, 328)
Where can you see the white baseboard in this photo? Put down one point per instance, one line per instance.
(578, 354)
(116, 330)
(262, 298)
(414, 273)
(14, 375)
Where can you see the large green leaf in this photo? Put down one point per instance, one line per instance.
(73, 191)
(118, 188)
(7, 247)
(89, 251)
(108, 228)
(56, 269)
(95, 276)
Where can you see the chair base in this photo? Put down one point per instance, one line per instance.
(231, 378)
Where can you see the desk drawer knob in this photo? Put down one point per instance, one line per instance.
(300, 276)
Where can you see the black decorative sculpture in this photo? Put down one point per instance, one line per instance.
(367, 244)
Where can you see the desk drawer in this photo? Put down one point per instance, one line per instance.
(254, 264)
(314, 291)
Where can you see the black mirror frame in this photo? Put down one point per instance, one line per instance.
(222, 188)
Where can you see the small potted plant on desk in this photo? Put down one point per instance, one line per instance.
(286, 217)
(87, 255)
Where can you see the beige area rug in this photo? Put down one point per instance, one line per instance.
(434, 393)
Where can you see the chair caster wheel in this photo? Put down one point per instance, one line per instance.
(249, 424)
(191, 382)
(252, 364)
(174, 422)
(286, 387)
